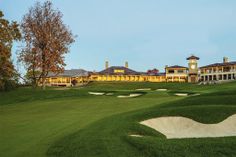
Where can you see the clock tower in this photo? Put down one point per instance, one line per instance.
(192, 69)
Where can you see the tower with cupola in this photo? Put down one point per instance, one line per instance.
(193, 69)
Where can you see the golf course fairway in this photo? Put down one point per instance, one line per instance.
(74, 123)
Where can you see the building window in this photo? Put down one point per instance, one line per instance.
(202, 78)
(210, 77)
(171, 71)
(119, 71)
(67, 80)
(180, 71)
(47, 80)
(226, 69)
(225, 77)
(220, 77)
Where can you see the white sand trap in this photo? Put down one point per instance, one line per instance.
(129, 96)
(96, 93)
(162, 90)
(144, 89)
(181, 94)
(136, 135)
(109, 94)
(181, 127)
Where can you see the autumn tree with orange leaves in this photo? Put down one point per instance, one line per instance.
(9, 32)
(47, 40)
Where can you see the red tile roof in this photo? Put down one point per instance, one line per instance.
(177, 66)
(219, 64)
(111, 71)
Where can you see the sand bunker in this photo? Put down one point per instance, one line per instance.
(109, 94)
(186, 94)
(144, 89)
(161, 90)
(129, 96)
(181, 94)
(96, 93)
(181, 127)
(134, 135)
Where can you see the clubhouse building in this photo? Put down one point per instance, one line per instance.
(193, 74)
(68, 78)
(123, 73)
(218, 71)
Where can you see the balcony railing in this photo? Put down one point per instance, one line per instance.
(219, 71)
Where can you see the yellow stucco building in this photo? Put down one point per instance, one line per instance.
(123, 73)
(225, 71)
(176, 73)
(68, 78)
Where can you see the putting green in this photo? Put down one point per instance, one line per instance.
(74, 123)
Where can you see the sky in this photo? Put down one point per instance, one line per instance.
(146, 33)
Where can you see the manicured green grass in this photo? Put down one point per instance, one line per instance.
(73, 123)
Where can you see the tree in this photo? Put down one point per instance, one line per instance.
(30, 78)
(9, 32)
(74, 82)
(153, 71)
(47, 40)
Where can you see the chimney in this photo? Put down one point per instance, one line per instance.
(106, 65)
(225, 60)
(166, 67)
(126, 64)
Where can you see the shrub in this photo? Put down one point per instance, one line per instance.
(74, 82)
(6, 85)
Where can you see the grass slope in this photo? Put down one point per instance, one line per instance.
(74, 123)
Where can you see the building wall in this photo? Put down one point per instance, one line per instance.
(176, 75)
(128, 78)
(176, 78)
(64, 81)
(220, 73)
